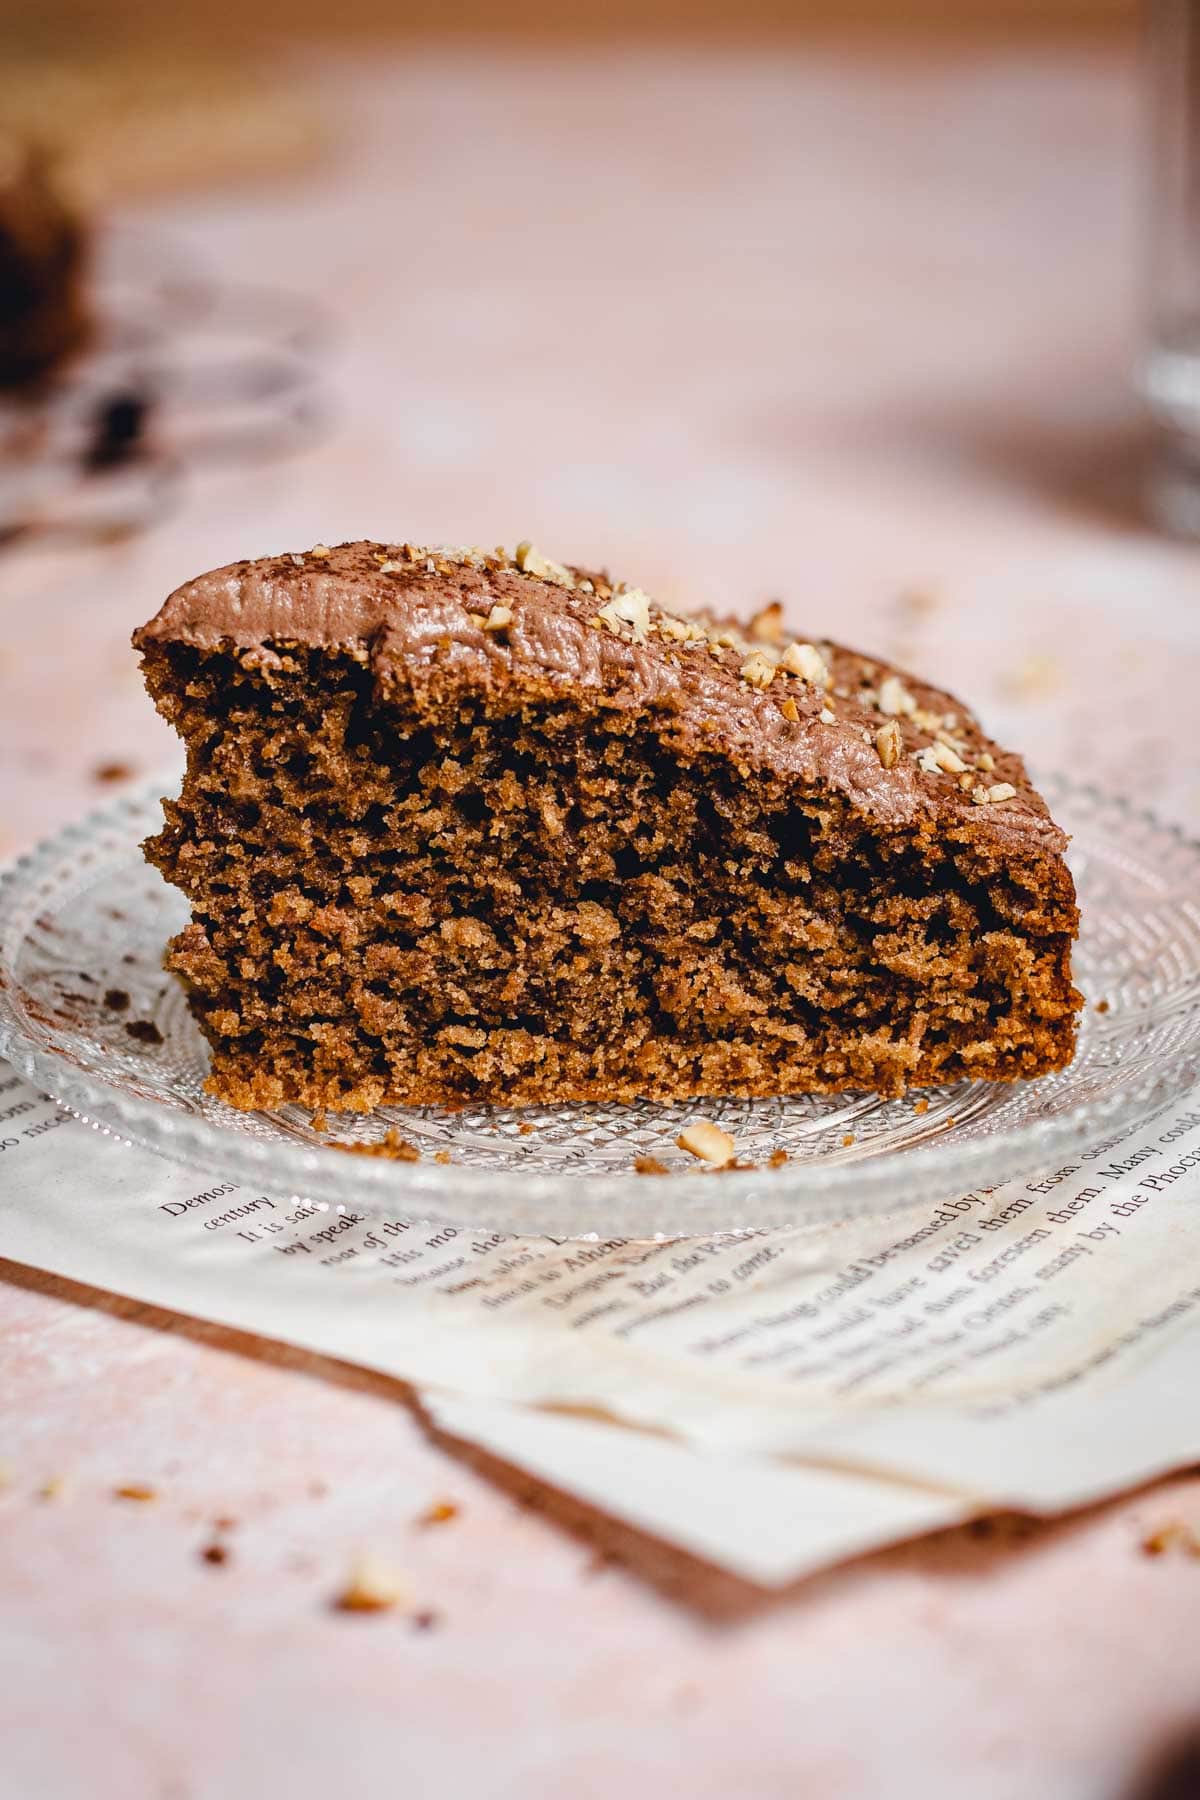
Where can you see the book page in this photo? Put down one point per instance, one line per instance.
(963, 1350)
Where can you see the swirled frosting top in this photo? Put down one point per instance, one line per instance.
(441, 620)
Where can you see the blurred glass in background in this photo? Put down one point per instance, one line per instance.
(1171, 360)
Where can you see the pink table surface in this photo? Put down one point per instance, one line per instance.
(833, 327)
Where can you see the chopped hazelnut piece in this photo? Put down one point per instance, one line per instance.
(790, 712)
(894, 697)
(532, 562)
(757, 670)
(372, 1587)
(806, 661)
(986, 761)
(632, 608)
(320, 550)
(707, 1141)
(440, 1513)
(498, 618)
(390, 568)
(767, 624)
(940, 756)
(827, 717)
(1003, 790)
(1175, 1534)
(889, 744)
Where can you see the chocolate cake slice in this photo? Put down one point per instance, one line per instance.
(464, 827)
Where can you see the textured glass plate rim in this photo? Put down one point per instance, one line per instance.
(682, 1203)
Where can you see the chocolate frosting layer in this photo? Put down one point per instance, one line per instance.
(440, 621)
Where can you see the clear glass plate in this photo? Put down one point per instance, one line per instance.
(83, 921)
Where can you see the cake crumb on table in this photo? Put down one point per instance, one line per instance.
(135, 1490)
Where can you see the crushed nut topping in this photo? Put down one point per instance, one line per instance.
(994, 796)
(895, 699)
(940, 756)
(986, 761)
(629, 606)
(679, 631)
(390, 568)
(758, 670)
(889, 744)
(707, 1141)
(926, 720)
(789, 710)
(767, 623)
(806, 661)
(827, 717)
(532, 562)
(320, 550)
(498, 618)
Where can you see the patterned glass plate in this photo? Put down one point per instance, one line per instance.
(83, 921)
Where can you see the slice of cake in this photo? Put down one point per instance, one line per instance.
(463, 827)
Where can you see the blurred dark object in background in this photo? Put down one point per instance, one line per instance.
(43, 266)
(1176, 1776)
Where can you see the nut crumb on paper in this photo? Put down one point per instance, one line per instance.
(372, 1586)
(440, 1513)
(1174, 1535)
(135, 1490)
